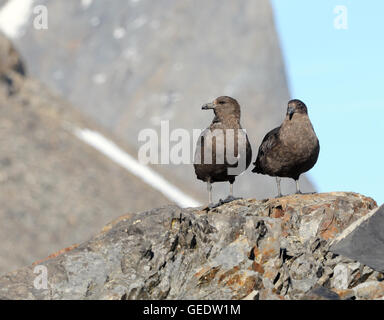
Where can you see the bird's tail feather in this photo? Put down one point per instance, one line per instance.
(257, 168)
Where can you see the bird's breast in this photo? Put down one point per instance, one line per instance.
(299, 137)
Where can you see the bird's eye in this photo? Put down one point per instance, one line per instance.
(221, 102)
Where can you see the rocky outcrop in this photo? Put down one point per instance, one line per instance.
(12, 69)
(364, 240)
(10, 60)
(247, 249)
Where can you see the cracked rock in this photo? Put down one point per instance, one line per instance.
(240, 250)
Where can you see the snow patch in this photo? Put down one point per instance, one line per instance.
(86, 3)
(14, 15)
(156, 181)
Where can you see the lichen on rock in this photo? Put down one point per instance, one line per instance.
(247, 249)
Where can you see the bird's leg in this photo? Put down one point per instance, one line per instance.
(210, 205)
(228, 199)
(209, 188)
(230, 196)
(298, 187)
(278, 180)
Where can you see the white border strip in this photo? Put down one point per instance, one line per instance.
(112, 151)
(14, 15)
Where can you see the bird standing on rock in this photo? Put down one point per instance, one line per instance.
(223, 150)
(291, 149)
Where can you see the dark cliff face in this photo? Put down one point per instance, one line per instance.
(248, 249)
(131, 64)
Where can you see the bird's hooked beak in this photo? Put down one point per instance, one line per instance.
(290, 112)
(208, 106)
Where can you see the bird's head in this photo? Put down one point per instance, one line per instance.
(224, 108)
(296, 106)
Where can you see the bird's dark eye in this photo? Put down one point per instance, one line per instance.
(221, 102)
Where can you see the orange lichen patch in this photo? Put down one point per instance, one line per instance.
(274, 203)
(243, 286)
(257, 267)
(355, 278)
(56, 254)
(209, 275)
(330, 233)
(328, 227)
(365, 204)
(372, 205)
(269, 251)
(255, 254)
(289, 200)
(277, 212)
(256, 251)
(228, 273)
(274, 290)
(110, 225)
(242, 282)
(267, 254)
(370, 291)
(236, 279)
(249, 284)
(201, 211)
(285, 225)
(286, 217)
(344, 294)
(312, 208)
(237, 235)
(289, 209)
(201, 272)
(270, 274)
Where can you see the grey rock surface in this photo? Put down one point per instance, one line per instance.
(364, 240)
(246, 249)
(132, 64)
(321, 293)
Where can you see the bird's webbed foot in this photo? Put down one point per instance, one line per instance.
(220, 203)
(228, 200)
(211, 206)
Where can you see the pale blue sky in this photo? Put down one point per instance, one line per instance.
(339, 74)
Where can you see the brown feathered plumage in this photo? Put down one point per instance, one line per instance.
(291, 149)
(220, 163)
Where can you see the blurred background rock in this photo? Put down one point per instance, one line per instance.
(118, 67)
